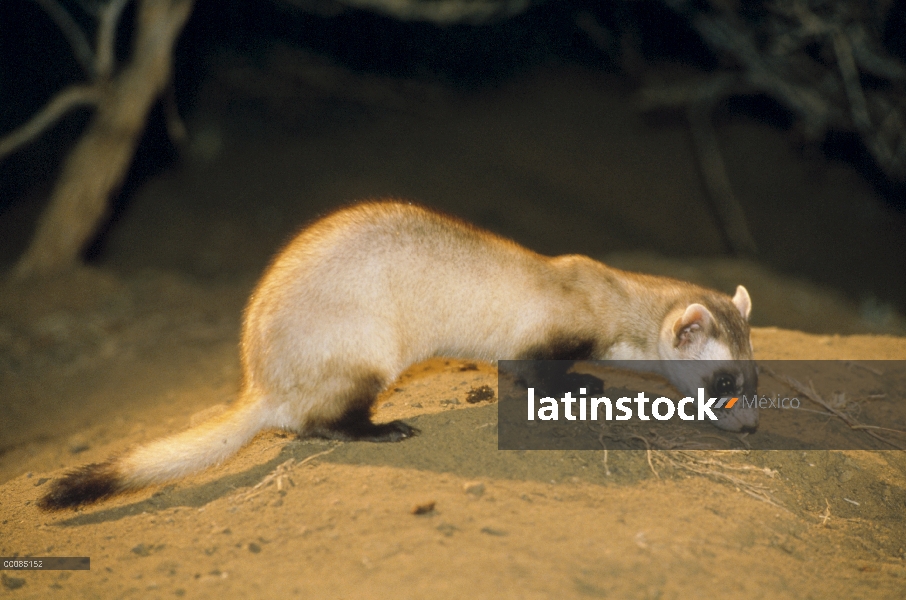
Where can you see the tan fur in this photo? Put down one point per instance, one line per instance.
(362, 294)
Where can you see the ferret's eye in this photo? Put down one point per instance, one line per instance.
(724, 385)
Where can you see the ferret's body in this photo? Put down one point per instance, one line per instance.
(364, 293)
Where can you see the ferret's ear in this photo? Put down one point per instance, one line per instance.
(694, 322)
(742, 302)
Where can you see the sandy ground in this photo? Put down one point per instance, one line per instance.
(144, 344)
(442, 515)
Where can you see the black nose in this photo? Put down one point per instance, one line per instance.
(749, 429)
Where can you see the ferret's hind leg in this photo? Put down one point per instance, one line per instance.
(353, 422)
(356, 425)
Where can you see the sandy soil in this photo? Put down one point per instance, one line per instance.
(442, 515)
(145, 344)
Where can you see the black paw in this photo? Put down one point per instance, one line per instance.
(395, 431)
(365, 431)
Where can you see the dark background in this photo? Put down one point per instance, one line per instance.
(525, 126)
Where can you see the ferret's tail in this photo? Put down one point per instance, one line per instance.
(163, 460)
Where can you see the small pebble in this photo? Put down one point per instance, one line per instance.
(11, 583)
(423, 508)
(476, 488)
(480, 394)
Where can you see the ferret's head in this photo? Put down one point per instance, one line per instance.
(707, 345)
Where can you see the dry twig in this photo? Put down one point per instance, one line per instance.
(812, 394)
(281, 474)
(715, 470)
(69, 99)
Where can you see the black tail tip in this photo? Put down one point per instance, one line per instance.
(85, 485)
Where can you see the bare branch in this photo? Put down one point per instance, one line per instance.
(729, 212)
(847, 64)
(599, 35)
(77, 39)
(711, 91)
(775, 54)
(100, 160)
(176, 128)
(106, 40)
(447, 12)
(92, 7)
(59, 105)
(871, 58)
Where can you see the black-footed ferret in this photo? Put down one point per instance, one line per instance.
(369, 290)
